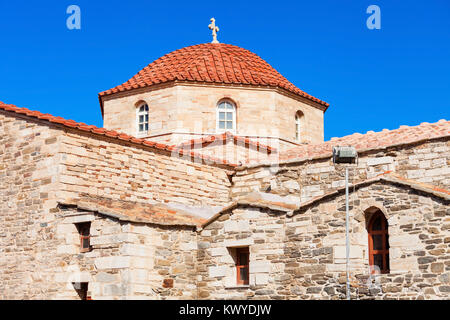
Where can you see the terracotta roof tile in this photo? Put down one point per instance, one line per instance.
(160, 214)
(371, 140)
(213, 63)
(110, 133)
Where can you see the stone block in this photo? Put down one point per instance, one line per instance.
(65, 228)
(114, 290)
(379, 160)
(340, 252)
(236, 226)
(114, 262)
(238, 243)
(108, 239)
(217, 271)
(259, 266)
(105, 277)
(405, 241)
(220, 251)
(79, 219)
(67, 249)
(136, 250)
(188, 246)
(261, 278)
(142, 262)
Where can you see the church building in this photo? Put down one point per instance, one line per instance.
(211, 179)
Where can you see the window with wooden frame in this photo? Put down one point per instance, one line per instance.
(82, 290)
(242, 266)
(84, 229)
(378, 242)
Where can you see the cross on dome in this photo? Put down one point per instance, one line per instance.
(214, 29)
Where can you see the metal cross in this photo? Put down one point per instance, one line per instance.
(214, 29)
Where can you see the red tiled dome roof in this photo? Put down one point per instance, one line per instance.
(213, 63)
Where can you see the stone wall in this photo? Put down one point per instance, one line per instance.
(119, 170)
(427, 162)
(28, 185)
(299, 256)
(303, 256)
(42, 164)
(127, 261)
(192, 108)
(120, 114)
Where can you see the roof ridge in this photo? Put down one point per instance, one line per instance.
(371, 140)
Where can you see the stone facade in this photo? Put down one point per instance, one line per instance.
(427, 162)
(127, 261)
(293, 255)
(42, 164)
(294, 229)
(301, 254)
(98, 167)
(177, 111)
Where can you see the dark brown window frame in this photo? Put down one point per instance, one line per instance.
(240, 265)
(82, 227)
(82, 290)
(384, 232)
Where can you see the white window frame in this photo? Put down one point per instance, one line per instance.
(142, 113)
(299, 116)
(233, 112)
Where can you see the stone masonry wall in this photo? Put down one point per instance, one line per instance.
(116, 170)
(28, 185)
(127, 261)
(42, 164)
(192, 108)
(303, 256)
(427, 162)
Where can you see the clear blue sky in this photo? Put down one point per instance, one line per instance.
(373, 79)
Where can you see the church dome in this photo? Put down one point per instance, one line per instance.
(217, 63)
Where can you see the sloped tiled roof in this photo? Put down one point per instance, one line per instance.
(110, 133)
(371, 140)
(160, 214)
(211, 63)
(223, 137)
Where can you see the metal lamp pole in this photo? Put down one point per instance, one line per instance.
(346, 155)
(347, 241)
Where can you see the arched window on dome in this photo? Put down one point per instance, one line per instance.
(142, 119)
(299, 119)
(226, 116)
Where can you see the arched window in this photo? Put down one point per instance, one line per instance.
(142, 119)
(298, 125)
(226, 117)
(378, 241)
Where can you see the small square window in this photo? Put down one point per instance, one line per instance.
(84, 229)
